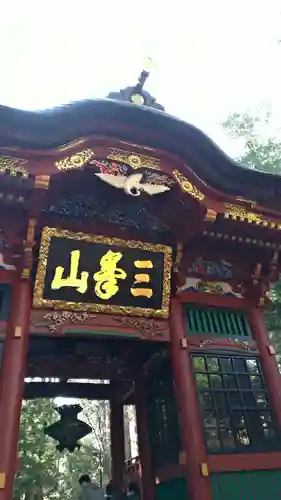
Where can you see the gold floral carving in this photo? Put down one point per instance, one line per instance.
(78, 160)
(13, 166)
(227, 343)
(239, 212)
(186, 186)
(178, 256)
(134, 160)
(240, 343)
(58, 318)
(203, 343)
(70, 145)
(39, 301)
(149, 329)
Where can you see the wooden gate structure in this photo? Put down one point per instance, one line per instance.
(133, 249)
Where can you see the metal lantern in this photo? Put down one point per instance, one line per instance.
(69, 429)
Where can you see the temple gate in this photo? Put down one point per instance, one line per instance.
(134, 250)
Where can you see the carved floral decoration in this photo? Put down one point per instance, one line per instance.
(59, 318)
(224, 344)
(149, 329)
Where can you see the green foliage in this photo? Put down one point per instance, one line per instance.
(263, 152)
(34, 451)
(46, 473)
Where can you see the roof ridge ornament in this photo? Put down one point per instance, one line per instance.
(136, 95)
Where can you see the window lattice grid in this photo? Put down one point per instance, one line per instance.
(235, 407)
(164, 433)
(218, 322)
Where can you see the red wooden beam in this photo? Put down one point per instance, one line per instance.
(244, 461)
(8, 277)
(226, 463)
(208, 299)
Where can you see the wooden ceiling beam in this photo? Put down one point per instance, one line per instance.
(98, 392)
(85, 370)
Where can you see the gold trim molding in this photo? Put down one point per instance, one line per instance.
(42, 181)
(251, 203)
(134, 160)
(78, 160)
(70, 145)
(2, 480)
(211, 215)
(13, 166)
(241, 239)
(38, 300)
(187, 187)
(237, 212)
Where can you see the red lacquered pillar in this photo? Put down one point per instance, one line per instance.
(12, 384)
(197, 475)
(267, 359)
(147, 477)
(117, 441)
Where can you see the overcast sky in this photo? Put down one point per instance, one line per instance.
(211, 58)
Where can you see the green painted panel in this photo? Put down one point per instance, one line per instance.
(247, 485)
(173, 489)
(217, 322)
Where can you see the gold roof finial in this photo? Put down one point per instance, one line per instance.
(148, 64)
(136, 94)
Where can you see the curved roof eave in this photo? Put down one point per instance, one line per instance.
(51, 128)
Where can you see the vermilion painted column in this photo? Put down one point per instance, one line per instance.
(12, 384)
(147, 477)
(190, 419)
(267, 359)
(117, 441)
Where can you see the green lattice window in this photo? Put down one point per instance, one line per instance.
(234, 402)
(217, 322)
(164, 433)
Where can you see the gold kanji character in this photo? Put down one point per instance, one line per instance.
(81, 284)
(142, 278)
(106, 279)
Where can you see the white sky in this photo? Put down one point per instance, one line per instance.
(211, 57)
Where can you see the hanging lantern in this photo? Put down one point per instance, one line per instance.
(69, 429)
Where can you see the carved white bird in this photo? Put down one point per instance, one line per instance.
(132, 184)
